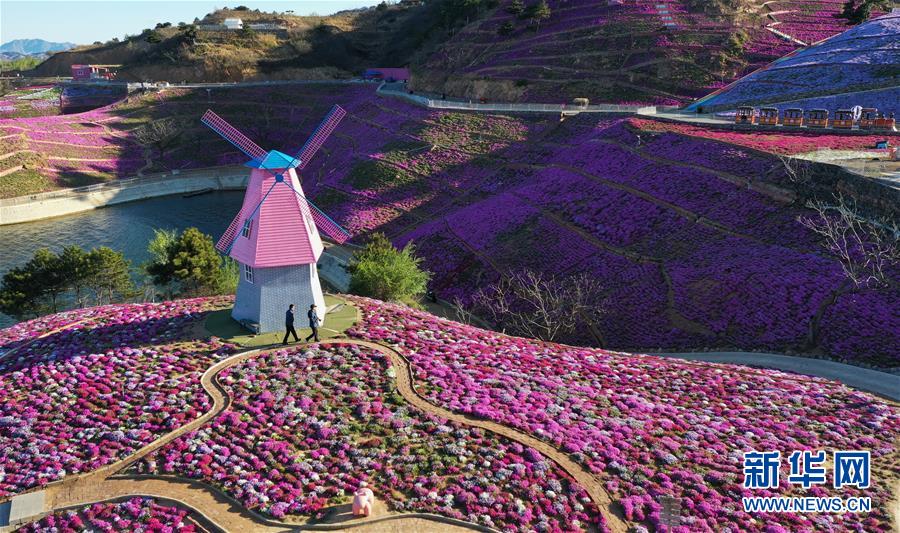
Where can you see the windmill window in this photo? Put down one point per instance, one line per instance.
(248, 225)
(248, 273)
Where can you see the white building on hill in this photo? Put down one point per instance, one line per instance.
(233, 24)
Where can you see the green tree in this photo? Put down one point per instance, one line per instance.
(34, 288)
(506, 28)
(859, 11)
(108, 275)
(74, 265)
(516, 7)
(48, 281)
(188, 34)
(539, 12)
(189, 264)
(382, 271)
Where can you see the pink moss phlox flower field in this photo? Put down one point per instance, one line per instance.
(576, 51)
(852, 65)
(136, 514)
(306, 425)
(786, 142)
(651, 427)
(85, 396)
(660, 211)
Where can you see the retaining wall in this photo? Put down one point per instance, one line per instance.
(59, 203)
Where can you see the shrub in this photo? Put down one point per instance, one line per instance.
(189, 264)
(381, 271)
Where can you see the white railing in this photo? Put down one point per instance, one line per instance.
(539, 108)
(517, 107)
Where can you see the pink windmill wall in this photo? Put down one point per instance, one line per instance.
(282, 233)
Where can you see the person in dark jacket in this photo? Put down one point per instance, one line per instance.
(289, 325)
(313, 323)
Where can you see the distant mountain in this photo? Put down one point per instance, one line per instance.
(34, 46)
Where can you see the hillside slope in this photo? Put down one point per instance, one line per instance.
(334, 46)
(696, 239)
(290, 431)
(663, 52)
(859, 67)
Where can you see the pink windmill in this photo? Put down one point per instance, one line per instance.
(274, 237)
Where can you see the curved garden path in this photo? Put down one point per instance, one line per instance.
(212, 504)
(591, 483)
(227, 513)
(220, 509)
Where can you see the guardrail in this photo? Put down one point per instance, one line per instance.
(542, 108)
(517, 107)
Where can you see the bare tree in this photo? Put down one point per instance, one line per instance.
(159, 133)
(865, 247)
(798, 171)
(537, 305)
(463, 314)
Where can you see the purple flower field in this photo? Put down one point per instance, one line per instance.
(862, 61)
(84, 396)
(136, 514)
(660, 212)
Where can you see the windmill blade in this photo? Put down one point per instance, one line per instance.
(323, 222)
(326, 224)
(320, 135)
(226, 242)
(232, 135)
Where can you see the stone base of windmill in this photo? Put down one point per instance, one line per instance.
(264, 294)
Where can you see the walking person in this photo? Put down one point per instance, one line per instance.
(313, 323)
(289, 325)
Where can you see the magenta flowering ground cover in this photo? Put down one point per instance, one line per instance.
(136, 514)
(664, 53)
(83, 397)
(659, 211)
(853, 66)
(651, 427)
(306, 425)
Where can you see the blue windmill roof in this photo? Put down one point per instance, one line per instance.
(274, 160)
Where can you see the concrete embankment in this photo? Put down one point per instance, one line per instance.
(67, 202)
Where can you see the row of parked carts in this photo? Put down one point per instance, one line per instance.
(862, 118)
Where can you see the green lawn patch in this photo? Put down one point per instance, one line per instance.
(24, 182)
(337, 321)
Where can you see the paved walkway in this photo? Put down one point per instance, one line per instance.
(881, 383)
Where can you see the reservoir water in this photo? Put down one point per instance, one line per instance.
(125, 227)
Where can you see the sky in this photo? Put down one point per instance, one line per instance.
(83, 22)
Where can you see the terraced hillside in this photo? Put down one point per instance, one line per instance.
(858, 67)
(696, 239)
(662, 52)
